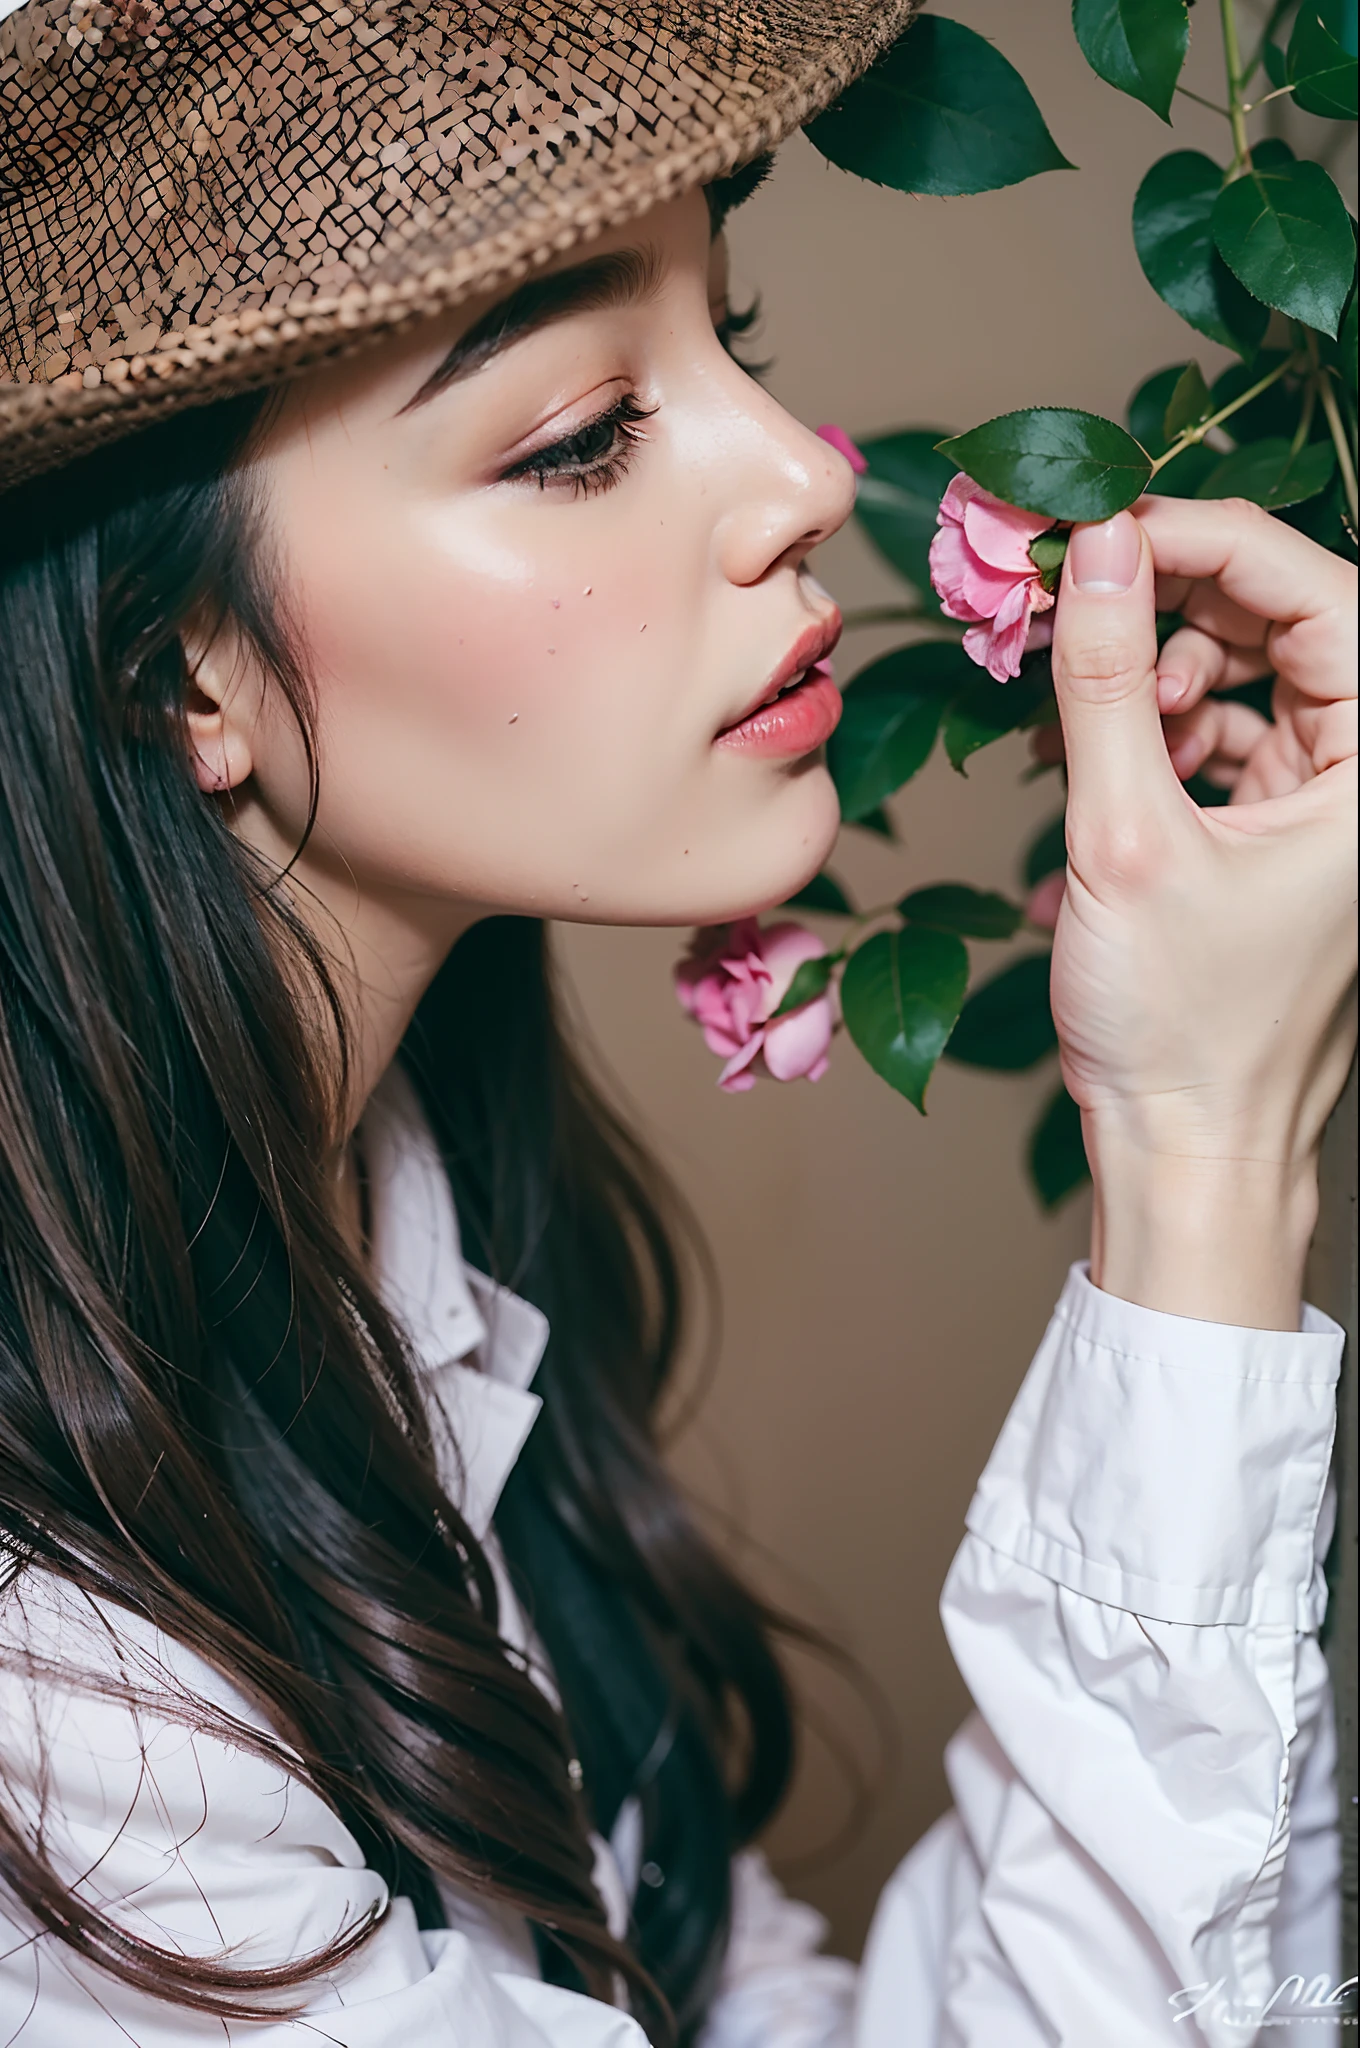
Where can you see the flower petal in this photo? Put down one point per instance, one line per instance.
(956, 499)
(787, 946)
(1001, 533)
(795, 1044)
(734, 1076)
(968, 588)
(837, 438)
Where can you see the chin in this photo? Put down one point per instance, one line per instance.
(791, 847)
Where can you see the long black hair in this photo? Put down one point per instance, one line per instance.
(206, 1415)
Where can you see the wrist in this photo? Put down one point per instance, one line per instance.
(1218, 1239)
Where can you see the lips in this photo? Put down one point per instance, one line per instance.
(793, 719)
(809, 653)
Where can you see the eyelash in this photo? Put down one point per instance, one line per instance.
(571, 460)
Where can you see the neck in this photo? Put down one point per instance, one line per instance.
(384, 947)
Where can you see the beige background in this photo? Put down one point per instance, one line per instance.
(886, 1277)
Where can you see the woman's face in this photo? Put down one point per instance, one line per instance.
(546, 556)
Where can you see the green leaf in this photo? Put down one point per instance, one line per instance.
(1322, 74)
(1048, 552)
(1270, 153)
(1270, 473)
(972, 913)
(941, 112)
(1188, 404)
(1007, 1023)
(985, 711)
(892, 714)
(1173, 234)
(1137, 46)
(809, 982)
(900, 996)
(1147, 408)
(1285, 233)
(823, 892)
(1057, 1155)
(878, 822)
(897, 501)
(1056, 460)
(1348, 347)
(1047, 853)
(1324, 519)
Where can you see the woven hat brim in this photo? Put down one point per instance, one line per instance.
(90, 361)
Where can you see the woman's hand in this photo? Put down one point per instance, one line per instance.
(1204, 960)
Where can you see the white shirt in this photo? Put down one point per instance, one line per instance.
(1143, 1844)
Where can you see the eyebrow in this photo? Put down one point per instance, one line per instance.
(625, 277)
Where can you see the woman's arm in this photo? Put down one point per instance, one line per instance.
(1204, 960)
(1136, 1604)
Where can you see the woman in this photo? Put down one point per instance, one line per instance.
(394, 557)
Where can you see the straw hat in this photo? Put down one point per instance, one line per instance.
(197, 198)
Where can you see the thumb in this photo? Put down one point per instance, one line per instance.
(1105, 673)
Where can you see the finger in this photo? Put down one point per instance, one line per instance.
(1215, 739)
(1207, 606)
(1270, 570)
(1278, 767)
(1193, 662)
(1105, 676)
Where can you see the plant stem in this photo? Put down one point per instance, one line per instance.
(1200, 101)
(1232, 58)
(1305, 425)
(1266, 98)
(1192, 436)
(1345, 461)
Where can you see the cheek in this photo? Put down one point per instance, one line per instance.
(506, 687)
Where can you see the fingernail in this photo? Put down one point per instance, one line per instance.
(1104, 559)
(1170, 690)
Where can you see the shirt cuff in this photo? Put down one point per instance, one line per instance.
(1168, 1467)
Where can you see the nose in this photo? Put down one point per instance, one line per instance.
(790, 491)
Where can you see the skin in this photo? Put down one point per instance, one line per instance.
(521, 690)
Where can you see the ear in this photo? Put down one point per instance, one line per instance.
(220, 708)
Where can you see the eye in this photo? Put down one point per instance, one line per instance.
(595, 457)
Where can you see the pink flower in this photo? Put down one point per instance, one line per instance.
(980, 565)
(841, 442)
(732, 979)
(1045, 900)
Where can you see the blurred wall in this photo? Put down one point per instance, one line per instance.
(886, 1277)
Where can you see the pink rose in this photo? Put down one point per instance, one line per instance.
(733, 978)
(841, 442)
(980, 565)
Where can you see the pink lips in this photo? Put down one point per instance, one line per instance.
(797, 722)
(800, 706)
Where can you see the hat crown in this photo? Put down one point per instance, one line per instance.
(199, 197)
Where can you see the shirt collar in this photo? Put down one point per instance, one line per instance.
(477, 1346)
